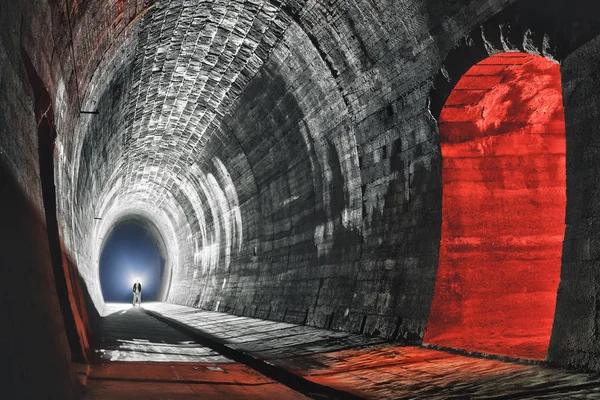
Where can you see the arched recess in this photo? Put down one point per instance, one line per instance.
(502, 137)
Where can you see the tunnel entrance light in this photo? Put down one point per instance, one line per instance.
(131, 255)
(502, 138)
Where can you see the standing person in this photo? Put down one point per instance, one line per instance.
(137, 293)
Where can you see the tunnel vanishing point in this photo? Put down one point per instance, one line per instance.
(409, 180)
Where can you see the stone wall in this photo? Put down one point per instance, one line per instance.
(343, 204)
(576, 336)
(286, 152)
(35, 352)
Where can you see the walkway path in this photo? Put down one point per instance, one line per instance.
(372, 368)
(165, 351)
(138, 356)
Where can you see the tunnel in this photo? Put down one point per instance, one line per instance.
(349, 199)
(502, 136)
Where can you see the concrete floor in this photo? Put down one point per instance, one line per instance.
(173, 347)
(138, 356)
(130, 334)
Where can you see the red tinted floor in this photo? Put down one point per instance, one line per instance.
(372, 369)
(146, 380)
(138, 357)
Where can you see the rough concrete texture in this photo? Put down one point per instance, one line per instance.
(138, 356)
(285, 151)
(372, 369)
(575, 338)
(128, 334)
(182, 381)
(36, 357)
(289, 161)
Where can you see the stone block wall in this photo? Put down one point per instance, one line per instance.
(286, 152)
(344, 204)
(35, 352)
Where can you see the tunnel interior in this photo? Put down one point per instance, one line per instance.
(502, 134)
(298, 165)
(131, 253)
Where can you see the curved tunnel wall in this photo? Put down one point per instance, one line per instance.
(502, 136)
(317, 172)
(346, 82)
(35, 344)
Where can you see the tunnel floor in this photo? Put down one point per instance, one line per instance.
(137, 356)
(165, 345)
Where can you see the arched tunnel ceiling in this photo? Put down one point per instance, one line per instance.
(160, 95)
(305, 129)
(191, 60)
(178, 134)
(285, 151)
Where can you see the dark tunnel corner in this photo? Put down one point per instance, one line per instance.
(77, 310)
(54, 318)
(37, 345)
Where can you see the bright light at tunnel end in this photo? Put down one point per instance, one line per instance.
(130, 255)
(136, 278)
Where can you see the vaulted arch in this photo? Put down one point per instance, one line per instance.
(502, 136)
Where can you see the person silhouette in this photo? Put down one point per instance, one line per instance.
(137, 293)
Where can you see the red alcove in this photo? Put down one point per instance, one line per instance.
(502, 137)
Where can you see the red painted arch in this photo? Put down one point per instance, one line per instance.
(502, 137)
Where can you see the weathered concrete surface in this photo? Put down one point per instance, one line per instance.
(576, 336)
(374, 369)
(133, 380)
(413, 372)
(136, 356)
(36, 357)
(285, 151)
(127, 333)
